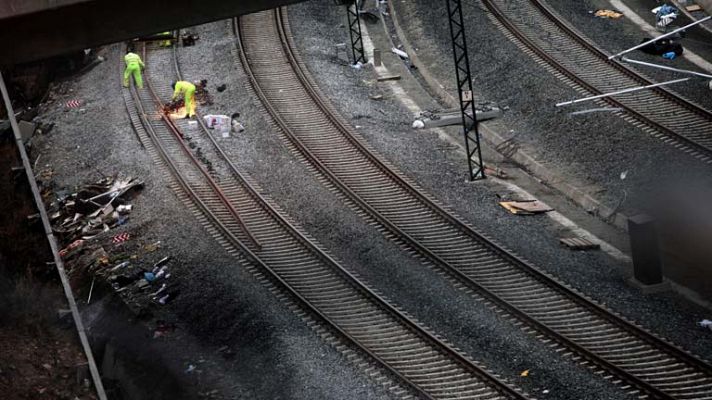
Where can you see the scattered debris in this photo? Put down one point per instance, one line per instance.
(525, 207)
(497, 172)
(74, 103)
(662, 46)
(418, 124)
(524, 373)
(221, 88)
(693, 8)
(579, 243)
(390, 77)
(237, 127)
(190, 368)
(664, 15)
(121, 238)
(705, 323)
(91, 290)
(219, 123)
(670, 55)
(607, 14)
(400, 53)
(189, 39)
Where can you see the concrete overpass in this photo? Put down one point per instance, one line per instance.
(37, 29)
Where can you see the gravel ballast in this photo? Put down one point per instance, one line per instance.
(220, 304)
(590, 150)
(385, 125)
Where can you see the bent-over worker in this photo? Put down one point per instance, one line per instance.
(188, 90)
(134, 65)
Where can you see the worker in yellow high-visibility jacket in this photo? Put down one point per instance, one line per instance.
(134, 65)
(188, 90)
(167, 42)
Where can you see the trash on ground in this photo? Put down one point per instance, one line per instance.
(705, 323)
(358, 65)
(579, 243)
(170, 296)
(74, 103)
(607, 14)
(162, 262)
(664, 15)
(662, 46)
(670, 55)
(418, 124)
(693, 8)
(497, 172)
(525, 207)
(525, 373)
(389, 77)
(189, 39)
(190, 368)
(400, 53)
(121, 238)
(221, 88)
(220, 123)
(237, 126)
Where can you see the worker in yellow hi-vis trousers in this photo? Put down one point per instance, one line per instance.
(134, 65)
(188, 90)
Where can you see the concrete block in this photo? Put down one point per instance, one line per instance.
(27, 129)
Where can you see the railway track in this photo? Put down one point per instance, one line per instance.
(422, 364)
(640, 362)
(540, 32)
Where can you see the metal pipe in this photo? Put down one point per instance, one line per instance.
(699, 21)
(629, 90)
(53, 244)
(682, 71)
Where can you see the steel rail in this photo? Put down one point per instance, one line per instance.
(699, 146)
(460, 275)
(171, 125)
(435, 387)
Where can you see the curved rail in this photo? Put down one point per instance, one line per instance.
(421, 361)
(680, 122)
(547, 306)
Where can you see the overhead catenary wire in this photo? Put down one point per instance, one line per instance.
(682, 71)
(629, 90)
(653, 40)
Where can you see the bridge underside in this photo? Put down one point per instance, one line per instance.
(37, 29)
